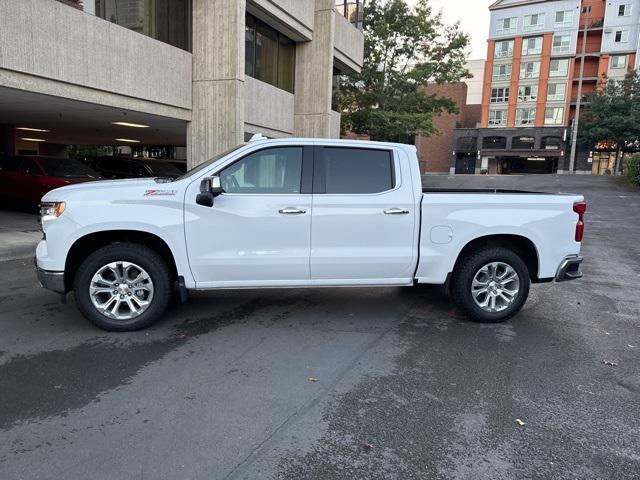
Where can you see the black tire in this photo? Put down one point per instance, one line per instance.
(140, 255)
(465, 272)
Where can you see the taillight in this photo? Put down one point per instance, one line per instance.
(580, 208)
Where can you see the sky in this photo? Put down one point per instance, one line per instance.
(474, 18)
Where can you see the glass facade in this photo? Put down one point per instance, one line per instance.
(269, 55)
(352, 10)
(166, 20)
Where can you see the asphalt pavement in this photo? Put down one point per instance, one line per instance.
(337, 384)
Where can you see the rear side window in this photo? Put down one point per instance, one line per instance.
(8, 164)
(354, 171)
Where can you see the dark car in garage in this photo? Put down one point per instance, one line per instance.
(133, 167)
(25, 179)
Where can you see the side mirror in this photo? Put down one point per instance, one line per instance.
(210, 188)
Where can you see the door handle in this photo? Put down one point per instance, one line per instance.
(292, 211)
(396, 211)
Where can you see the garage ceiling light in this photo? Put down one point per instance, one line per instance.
(127, 140)
(132, 125)
(27, 139)
(29, 129)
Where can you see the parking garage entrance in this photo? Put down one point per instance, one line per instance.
(508, 165)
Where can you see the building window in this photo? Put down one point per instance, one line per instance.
(559, 68)
(269, 55)
(352, 10)
(500, 95)
(168, 21)
(523, 143)
(564, 18)
(561, 44)
(554, 116)
(530, 70)
(525, 116)
(504, 49)
(497, 118)
(622, 36)
(532, 46)
(528, 93)
(534, 23)
(502, 72)
(624, 10)
(556, 92)
(506, 26)
(618, 61)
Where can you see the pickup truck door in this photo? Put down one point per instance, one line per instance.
(258, 232)
(364, 218)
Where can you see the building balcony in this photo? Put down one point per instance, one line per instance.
(592, 24)
(348, 44)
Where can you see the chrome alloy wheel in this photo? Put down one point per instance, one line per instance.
(121, 290)
(495, 287)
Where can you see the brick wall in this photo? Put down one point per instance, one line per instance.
(435, 152)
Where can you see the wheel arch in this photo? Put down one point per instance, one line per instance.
(91, 242)
(524, 247)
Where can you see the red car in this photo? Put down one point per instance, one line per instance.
(25, 180)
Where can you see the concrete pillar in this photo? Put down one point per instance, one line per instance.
(218, 79)
(314, 75)
(7, 139)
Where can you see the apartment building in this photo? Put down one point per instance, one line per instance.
(195, 77)
(534, 56)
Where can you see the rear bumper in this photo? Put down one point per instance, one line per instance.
(53, 281)
(569, 269)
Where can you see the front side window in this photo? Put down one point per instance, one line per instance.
(554, 116)
(532, 46)
(525, 116)
(624, 10)
(497, 118)
(269, 55)
(556, 92)
(622, 36)
(534, 22)
(618, 61)
(500, 95)
(345, 171)
(271, 171)
(502, 72)
(530, 70)
(528, 93)
(559, 68)
(507, 25)
(564, 18)
(504, 49)
(561, 44)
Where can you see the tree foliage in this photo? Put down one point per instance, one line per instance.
(405, 48)
(612, 113)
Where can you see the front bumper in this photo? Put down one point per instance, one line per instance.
(53, 281)
(569, 269)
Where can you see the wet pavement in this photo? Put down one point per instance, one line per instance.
(356, 383)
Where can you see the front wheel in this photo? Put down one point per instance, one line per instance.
(123, 287)
(491, 285)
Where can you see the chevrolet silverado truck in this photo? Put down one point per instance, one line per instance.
(292, 213)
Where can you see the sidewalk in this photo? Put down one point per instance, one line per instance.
(19, 234)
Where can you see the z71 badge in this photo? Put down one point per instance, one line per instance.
(160, 193)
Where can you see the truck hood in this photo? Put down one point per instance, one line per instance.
(133, 186)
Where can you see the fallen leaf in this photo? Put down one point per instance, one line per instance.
(182, 336)
(610, 363)
(367, 446)
(520, 422)
(312, 379)
(631, 346)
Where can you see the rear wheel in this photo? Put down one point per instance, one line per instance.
(491, 285)
(123, 287)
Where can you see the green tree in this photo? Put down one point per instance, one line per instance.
(405, 48)
(612, 114)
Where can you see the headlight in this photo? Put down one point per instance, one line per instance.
(51, 210)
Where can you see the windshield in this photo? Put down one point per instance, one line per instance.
(66, 168)
(164, 169)
(206, 164)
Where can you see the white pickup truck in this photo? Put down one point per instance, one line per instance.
(301, 213)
